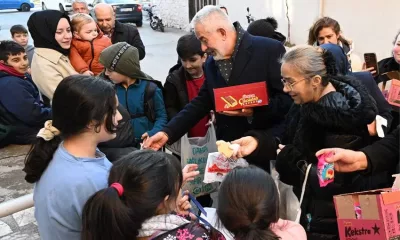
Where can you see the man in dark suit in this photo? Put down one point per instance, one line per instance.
(118, 32)
(237, 58)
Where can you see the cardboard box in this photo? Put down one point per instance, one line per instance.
(386, 83)
(394, 93)
(241, 96)
(379, 218)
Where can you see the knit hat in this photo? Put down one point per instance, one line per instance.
(124, 59)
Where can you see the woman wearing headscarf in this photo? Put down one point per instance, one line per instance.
(52, 36)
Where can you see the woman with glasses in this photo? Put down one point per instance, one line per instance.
(328, 111)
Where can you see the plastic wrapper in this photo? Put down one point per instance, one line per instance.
(218, 166)
(325, 171)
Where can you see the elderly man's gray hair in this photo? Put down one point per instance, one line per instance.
(80, 1)
(212, 16)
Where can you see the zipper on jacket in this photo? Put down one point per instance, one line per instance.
(126, 101)
(91, 61)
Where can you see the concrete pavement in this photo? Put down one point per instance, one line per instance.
(20, 225)
(160, 57)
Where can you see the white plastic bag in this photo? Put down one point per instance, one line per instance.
(175, 147)
(289, 205)
(195, 150)
(218, 166)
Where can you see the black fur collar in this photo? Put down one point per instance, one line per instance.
(350, 106)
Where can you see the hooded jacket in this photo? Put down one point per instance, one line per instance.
(85, 55)
(21, 109)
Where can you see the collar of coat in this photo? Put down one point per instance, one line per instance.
(118, 27)
(239, 37)
(50, 54)
(350, 106)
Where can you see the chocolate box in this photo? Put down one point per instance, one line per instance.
(241, 96)
(371, 215)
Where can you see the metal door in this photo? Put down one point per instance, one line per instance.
(196, 5)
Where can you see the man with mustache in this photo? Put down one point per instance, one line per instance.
(237, 58)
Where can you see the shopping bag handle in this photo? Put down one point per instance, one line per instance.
(198, 205)
(303, 190)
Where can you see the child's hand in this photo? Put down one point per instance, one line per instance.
(145, 136)
(190, 172)
(88, 73)
(280, 148)
(183, 204)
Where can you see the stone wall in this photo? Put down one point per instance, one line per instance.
(174, 13)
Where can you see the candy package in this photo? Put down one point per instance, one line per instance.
(218, 166)
(325, 171)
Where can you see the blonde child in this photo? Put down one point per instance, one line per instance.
(87, 44)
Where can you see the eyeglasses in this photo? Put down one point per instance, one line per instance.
(290, 85)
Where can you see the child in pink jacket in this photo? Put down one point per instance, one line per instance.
(248, 207)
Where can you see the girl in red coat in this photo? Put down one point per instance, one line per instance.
(87, 44)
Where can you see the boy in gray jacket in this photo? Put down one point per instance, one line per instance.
(20, 35)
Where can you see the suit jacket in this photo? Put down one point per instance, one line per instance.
(124, 32)
(256, 61)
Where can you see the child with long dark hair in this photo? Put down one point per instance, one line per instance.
(248, 207)
(144, 188)
(65, 164)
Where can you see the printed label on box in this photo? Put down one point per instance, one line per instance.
(361, 230)
(241, 96)
(379, 218)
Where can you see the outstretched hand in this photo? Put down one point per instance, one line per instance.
(247, 146)
(345, 160)
(155, 142)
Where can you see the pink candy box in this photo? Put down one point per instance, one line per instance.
(325, 171)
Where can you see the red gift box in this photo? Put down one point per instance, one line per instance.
(241, 96)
